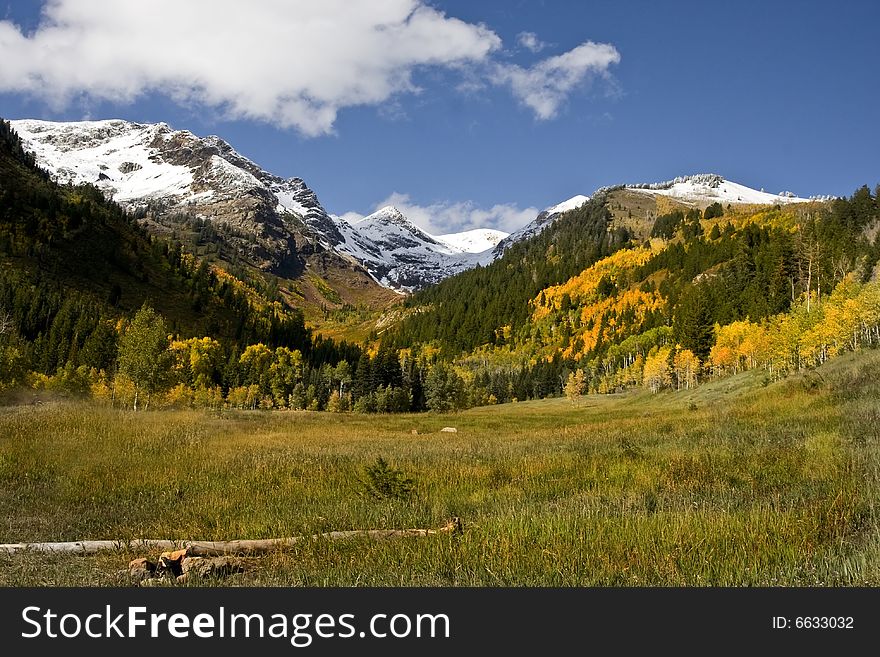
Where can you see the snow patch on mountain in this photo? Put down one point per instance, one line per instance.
(400, 255)
(115, 156)
(571, 204)
(473, 241)
(712, 188)
(390, 230)
(535, 227)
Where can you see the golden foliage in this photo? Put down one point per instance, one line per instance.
(656, 374)
(581, 310)
(583, 288)
(196, 359)
(810, 334)
(687, 368)
(603, 319)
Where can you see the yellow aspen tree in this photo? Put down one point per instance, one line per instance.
(656, 375)
(687, 368)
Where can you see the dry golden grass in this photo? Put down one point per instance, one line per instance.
(729, 484)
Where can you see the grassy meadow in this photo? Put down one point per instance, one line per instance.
(735, 483)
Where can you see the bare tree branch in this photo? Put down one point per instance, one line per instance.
(5, 322)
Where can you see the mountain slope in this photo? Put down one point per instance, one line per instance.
(67, 247)
(484, 305)
(626, 261)
(704, 189)
(221, 205)
(538, 224)
(401, 255)
(177, 183)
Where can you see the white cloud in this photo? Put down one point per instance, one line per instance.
(455, 217)
(544, 87)
(294, 63)
(530, 41)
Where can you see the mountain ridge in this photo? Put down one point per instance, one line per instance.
(276, 224)
(279, 226)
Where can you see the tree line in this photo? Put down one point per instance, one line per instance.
(781, 288)
(91, 304)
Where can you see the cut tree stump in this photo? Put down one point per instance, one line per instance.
(178, 549)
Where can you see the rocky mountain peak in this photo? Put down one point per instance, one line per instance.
(170, 177)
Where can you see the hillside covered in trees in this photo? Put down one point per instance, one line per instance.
(610, 296)
(76, 268)
(699, 293)
(473, 308)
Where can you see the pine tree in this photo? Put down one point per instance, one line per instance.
(693, 325)
(363, 377)
(416, 387)
(99, 349)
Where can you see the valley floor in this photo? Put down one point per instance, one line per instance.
(731, 484)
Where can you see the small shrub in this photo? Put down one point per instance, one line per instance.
(382, 482)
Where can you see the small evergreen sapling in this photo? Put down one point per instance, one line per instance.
(382, 482)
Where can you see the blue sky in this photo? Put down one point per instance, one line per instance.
(473, 113)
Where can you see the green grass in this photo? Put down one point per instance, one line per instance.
(733, 484)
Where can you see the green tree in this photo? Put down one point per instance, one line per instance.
(383, 482)
(342, 374)
(693, 325)
(254, 365)
(298, 397)
(99, 349)
(416, 387)
(12, 366)
(444, 389)
(363, 385)
(284, 373)
(143, 353)
(714, 210)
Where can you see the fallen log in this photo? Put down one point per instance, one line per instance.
(91, 547)
(220, 548)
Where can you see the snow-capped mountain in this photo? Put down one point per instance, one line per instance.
(169, 176)
(699, 190)
(708, 188)
(401, 255)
